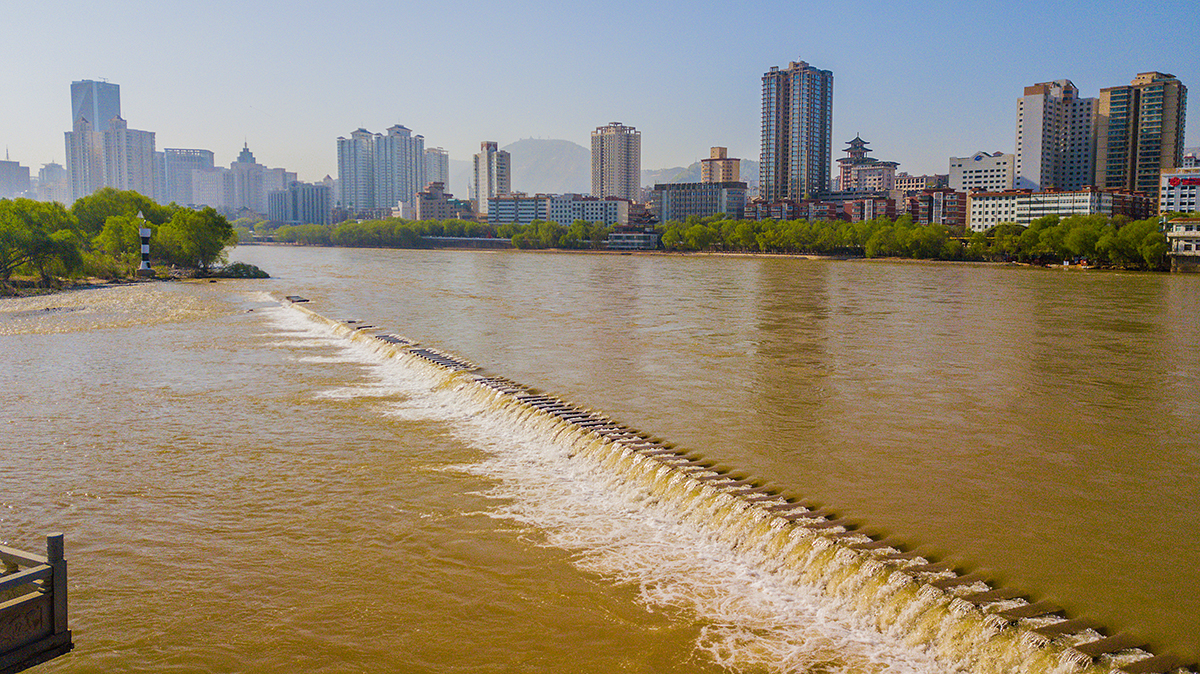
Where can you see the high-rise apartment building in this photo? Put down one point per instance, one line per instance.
(85, 158)
(616, 161)
(493, 175)
(97, 102)
(178, 164)
(437, 168)
(380, 170)
(214, 187)
(1139, 132)
(129, 158)
(356, 169)
(797, 132)
(719, 168)
(249, 192)
(300, 203)
(1055, 138)
(399, 167)
(102, 151)
(54, 184)
(14, 179)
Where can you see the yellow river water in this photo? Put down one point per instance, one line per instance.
(242, 489)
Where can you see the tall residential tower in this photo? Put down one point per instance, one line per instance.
(1139, 131)
(616, 161)
(493, 175)
(797, 132)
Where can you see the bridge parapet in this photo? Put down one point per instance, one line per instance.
(33, 606)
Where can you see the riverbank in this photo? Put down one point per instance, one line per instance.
(32, 287)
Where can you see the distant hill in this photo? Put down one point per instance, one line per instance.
(691, 174)
(651, 177)
(550, 166)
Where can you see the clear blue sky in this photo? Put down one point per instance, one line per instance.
(920, 81)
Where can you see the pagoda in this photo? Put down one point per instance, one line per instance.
(862, 173)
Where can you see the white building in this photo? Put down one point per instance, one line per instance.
(1056, 141)
(493, 175)
(561, 208)
(988, 209)
(566, 209)
(1177, 190)
(982, 172)
(1183, 238)
(249, 187)
(503, 209)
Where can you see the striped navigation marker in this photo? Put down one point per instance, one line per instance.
(144, 232)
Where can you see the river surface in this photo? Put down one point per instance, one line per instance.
(242, 489)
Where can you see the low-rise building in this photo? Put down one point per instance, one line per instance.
(567, 208)
(561, 208)
(788, 209)
(938, 206)
(720, 168)
(988, 209)
(909, 185)
(436, 204)
(677, 201)
(633, 238)
(1183, 237)
(857, 210)
(1177, 190)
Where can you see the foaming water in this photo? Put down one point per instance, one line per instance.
(102, 308)
(769, 596)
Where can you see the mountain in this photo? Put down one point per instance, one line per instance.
(550, 166)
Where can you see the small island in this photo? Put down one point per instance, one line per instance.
(45, 246)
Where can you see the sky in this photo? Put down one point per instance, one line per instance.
(920, 81)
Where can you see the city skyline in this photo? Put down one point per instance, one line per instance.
(949, 86)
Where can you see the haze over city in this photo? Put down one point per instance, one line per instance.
(922, 82)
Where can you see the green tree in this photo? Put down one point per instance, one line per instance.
(94, 210)
(121, 241)
(195, 239)
(40, 235)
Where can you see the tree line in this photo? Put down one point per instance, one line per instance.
(98, 236)
(1099, 239)
(400, 233)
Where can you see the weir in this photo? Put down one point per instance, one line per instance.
(966, 622)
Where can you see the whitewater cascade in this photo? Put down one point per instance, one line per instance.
(961, 620)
